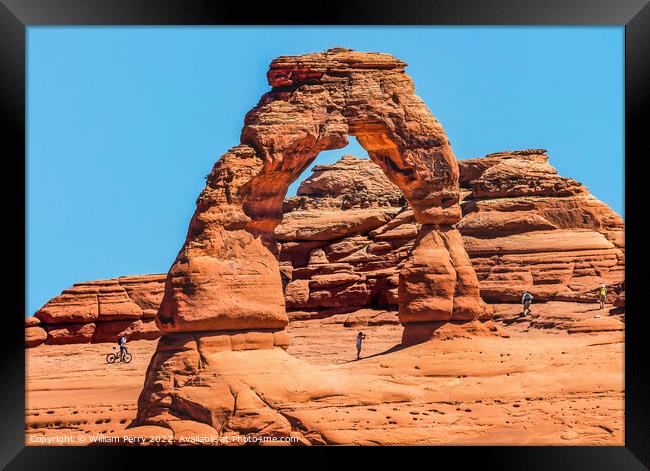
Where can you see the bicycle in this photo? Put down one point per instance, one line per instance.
(124, 358)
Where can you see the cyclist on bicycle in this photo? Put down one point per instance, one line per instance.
(122, 343)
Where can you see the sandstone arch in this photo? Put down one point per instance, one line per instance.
(223, 291)
(226, 276)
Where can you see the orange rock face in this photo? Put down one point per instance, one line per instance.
(227, 275)
(127, 297)
(620, 300)
(558, 247)
(527, 228)
(100, 311)
(331, 261)
(349, 183)
(61, 334)
(381, 232)
(34, 336)
(438, 282)
(132, 330)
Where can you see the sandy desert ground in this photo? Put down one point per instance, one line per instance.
(556, 377)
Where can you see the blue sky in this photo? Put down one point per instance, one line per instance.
(124, 123)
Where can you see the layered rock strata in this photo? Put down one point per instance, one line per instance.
(524, 228)
(527, 228)
(347, 234)
(99, 311)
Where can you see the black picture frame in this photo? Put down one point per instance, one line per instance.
(17, 15)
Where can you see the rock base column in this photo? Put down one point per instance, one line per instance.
(438, 283)
(184, 394)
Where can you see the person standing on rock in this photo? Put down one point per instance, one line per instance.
(602, 295)
(360, 337)
(526, 301)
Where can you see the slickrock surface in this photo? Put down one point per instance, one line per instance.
(537, 380)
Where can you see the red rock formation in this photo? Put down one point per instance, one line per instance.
(620, 300)
(60, 334)
(349, 183)
(227, 277)
(132, 330)
(101, 311)
(362, 269)
(360, 266)
(127, 297)
(557, 247)
(34, 333)
(427, 294)
(527, 228)
(332, 225)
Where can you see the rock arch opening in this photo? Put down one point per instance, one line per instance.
(341, 241)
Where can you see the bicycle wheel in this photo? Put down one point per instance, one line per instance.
(127, 357)
(111, 357)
